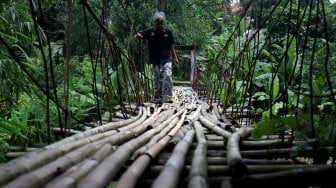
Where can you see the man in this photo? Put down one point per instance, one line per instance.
(161, 50)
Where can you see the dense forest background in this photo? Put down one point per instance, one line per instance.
(26, 93)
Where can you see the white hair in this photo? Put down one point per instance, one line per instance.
(159, 16)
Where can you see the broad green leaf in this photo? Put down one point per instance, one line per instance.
(270, 126)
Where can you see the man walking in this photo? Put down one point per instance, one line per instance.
(161, 50)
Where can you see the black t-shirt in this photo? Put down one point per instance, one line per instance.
(159, 43)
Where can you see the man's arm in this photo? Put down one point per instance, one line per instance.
(174, 54)
(139, 36)
(143, 34)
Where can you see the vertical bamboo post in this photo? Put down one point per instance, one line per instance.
(67, 66)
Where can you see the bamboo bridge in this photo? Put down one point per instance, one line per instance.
(184, 144)
(203, 139)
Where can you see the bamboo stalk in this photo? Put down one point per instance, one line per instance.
(57, 130)
(195, 115)
(12, 155)
(179, 135)
(302, 177)
(170, 174)
(33, 160)
(273, 153)
(25, 149)
(224, 170)
(122, 116)
(233, 155)
(199, 169)
(214, 137)
(216, 119)
(40, 176)
(132, 130)
(214, 127)
(270, 137)
(106, 171)
(282, 152)
(77, 172)
(134, 172)
(156, 138)
(217, 113)
(223, 161)
(101, 129)
(212, 118)
(261, 144)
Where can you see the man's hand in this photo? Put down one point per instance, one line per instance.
(177, 61)
(138, 36)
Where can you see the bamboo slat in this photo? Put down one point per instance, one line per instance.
(134, 172)
(170, 174)
(40, 176)
(199, 169)
(77, 172)
(106, 171)
(233, 155)
(214, 127)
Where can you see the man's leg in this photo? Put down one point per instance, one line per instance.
(167, 83)
(157, 83)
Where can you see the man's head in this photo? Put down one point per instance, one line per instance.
(159, 19)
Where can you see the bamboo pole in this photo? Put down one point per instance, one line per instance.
(59, 131)
(115, 140)
(212, 118)
(195, 115)
(100, 129)
(283, 152)
(38, 177)
(224, 170)
(170, 174)
(176, 138)
(77, 172)
(156, 138)
(214, 137)
(274, 153)
(15, 154)
(199, 169)
(25, 149)
(217, 113)
(218, 120)
(33, 160)
(233, 155)
(106, 171)
(131, 131)
(134, 172)
(260, 144)
(301, 177)
(223, 161)
(214, 127)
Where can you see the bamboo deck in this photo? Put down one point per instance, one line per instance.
(184, 144)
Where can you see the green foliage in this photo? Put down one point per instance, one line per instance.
(121, 26)
(270, 126)
(3, 144)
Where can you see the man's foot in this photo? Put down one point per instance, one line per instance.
(168, 100)
(157, 101)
